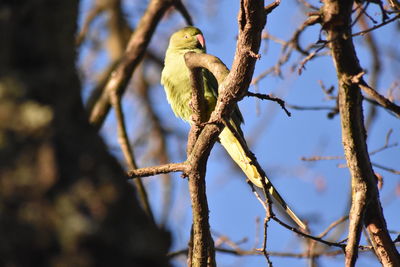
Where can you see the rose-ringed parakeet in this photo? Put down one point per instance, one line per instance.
(175, 78)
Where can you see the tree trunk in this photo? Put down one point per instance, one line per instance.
(63, 199)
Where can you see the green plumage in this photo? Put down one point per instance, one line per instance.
(175, 75)
(176, 80)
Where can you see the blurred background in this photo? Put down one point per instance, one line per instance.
(302, 154)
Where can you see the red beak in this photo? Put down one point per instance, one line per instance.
(201, 40)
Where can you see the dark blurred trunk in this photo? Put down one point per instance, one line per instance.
(63, 199)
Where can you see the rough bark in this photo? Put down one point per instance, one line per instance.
(234, 87)
(365, 207)
(63, 199)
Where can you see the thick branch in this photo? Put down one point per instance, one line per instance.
(235, 86)
(210, 62)
(203, 253)
(365, 197)
(202, 244)
(197, 102)
(251, 23)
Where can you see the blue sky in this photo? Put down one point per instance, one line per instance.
(317, 191)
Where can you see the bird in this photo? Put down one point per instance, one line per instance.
(175, 77)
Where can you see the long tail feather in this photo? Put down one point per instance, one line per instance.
(237, 153)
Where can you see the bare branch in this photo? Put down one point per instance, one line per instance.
(386, 145)
(375, 69)
(376, 26)
(272, 98)
(255, 252)
(268, 9)
(271, 215)
(264, 248)
(333, 225)
(328, 243)
(165, 168)
(128, 153)
(316, 158)
(251, 22)
(197, 102)
(202, 247)
(366, 207)
(134, 53)
(386, 168)
(183, 10)
(93, 13)
(310, 108)
(210, 62)
(380, 99)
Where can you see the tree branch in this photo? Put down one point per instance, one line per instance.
(257, 252)
(377, 26)
(197, 102)
(134, 53)
(128, 153)
(165, 168)
(202, 251)
(365, 207)
(272, 98)
(159, 151)
(92, 14)
(251, 23)
(380, 99)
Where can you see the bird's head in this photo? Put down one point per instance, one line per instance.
(188, 38)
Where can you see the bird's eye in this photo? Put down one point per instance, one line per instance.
(186, 36)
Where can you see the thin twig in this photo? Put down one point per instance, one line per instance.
(376, 26)
(128, 153)
(184, 12)
(310, 108)
(386, 145)
(92, 14)
(308, 58)
(264, 248)
(380, 99)
(255, 252)
(272, 216)
(385, 168)
(272, 98)
(158, 133)
(328, 243)
(317, 158)
(333, 225)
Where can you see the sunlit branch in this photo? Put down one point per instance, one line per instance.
(165, 168)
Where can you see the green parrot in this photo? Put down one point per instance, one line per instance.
(175, 78)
